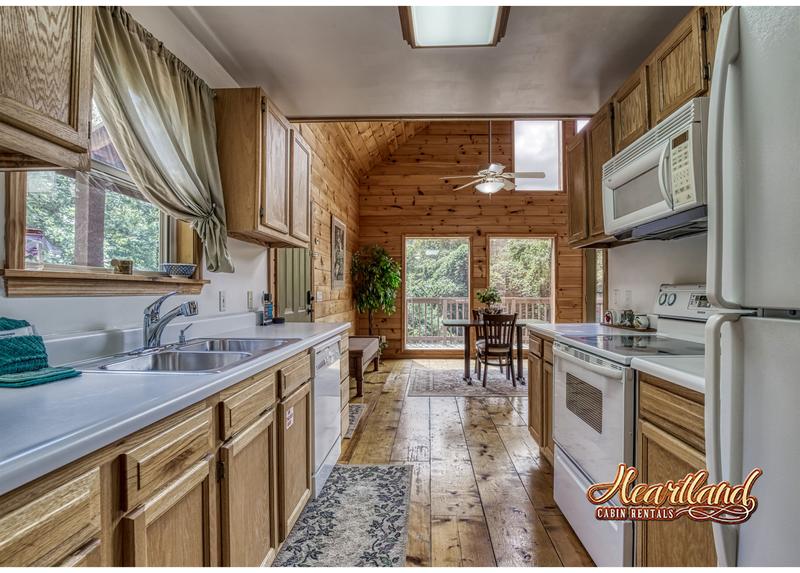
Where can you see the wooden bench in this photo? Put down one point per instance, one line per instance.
(362, 351)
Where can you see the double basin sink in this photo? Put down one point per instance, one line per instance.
(202, 355)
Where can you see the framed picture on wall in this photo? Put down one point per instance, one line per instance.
(338, 252)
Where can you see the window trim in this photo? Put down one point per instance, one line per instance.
(562, 135)
(84, 281)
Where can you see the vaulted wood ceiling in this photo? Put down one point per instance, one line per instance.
(368, 143)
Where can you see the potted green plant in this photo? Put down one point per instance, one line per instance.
(376, 280)
(490, 297)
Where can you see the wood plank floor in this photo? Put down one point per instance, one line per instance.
(481, 493)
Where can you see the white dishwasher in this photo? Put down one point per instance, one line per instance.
(327, 423)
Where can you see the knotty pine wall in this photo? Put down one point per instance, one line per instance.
(334, 190)
(405, 196)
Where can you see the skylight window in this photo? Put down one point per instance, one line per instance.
(453, 26)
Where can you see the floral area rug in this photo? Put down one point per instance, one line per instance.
(360, 519)
(431, 382)
(355, 412)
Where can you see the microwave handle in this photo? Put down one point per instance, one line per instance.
(662, 176)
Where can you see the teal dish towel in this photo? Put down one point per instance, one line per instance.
(36, 377)
(23, 359)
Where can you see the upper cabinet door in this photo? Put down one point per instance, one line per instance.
(275, 199)
(600, 146)
(300, 187)
(677, 69)
(46, 84)
(577, 191)
(631, 110)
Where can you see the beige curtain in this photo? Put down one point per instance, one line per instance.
(160, 116)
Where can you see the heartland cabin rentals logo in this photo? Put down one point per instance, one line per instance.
(690, 496)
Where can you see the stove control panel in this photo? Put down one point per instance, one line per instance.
(689, 302)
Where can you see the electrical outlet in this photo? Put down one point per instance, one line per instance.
(628, 298)
(222, 301)
(250, 306)
(319, 296)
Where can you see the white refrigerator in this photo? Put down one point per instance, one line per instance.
(753, 345)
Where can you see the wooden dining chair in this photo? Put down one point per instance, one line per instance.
(497, 343)
(476, 317)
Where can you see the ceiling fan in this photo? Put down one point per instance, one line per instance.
(493, 178)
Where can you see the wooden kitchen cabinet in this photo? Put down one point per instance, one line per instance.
(548, 445)
(535, 397)
(295, 461)
(49, 529)
(254, 147)
(677, 70)
(631, 110)
(300, 181)
(670, 445)
(45, 86)
(87, 556)
(577, 188)
(540, 393)
(600, 148)
(713, 21)
(176, 527)
(248, 493)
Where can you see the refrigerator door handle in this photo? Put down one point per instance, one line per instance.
(725, 536)
(727, 52)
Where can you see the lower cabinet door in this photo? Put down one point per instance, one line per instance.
(535, 398)
(295, 464)
(661, 457)
(176, 527)
(547, 443)
(248, 518)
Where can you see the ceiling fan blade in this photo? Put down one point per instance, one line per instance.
(468, 184)
(458, 176)
(526, 174)
(508, 185)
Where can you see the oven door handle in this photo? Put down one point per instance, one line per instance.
(612, 373)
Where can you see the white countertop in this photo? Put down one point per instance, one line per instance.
(576, 328)
(48, 426)
(686, 371)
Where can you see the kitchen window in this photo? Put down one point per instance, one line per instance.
(76, 222)
(537, 147)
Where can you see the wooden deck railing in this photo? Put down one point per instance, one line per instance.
(424, 316)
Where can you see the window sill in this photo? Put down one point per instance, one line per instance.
(20, 283)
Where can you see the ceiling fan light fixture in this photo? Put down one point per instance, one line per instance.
(489, 187)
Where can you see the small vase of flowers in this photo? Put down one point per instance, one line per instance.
(491, 298)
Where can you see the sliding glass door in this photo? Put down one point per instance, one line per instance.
(436, 287)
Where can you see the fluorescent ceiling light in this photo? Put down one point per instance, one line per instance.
(453, 26)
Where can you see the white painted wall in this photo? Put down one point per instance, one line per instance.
(82, 314)
(641, 267)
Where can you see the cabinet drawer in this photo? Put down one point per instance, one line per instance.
(47, 530)
(548, 351)
(674, 409)
(246, 405)
(344, 344)
(534, 344)
(344, 367)
(344, 392)
(296, 373)
(158, 461)
(345, 419)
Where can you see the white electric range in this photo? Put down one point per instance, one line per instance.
(594, 410)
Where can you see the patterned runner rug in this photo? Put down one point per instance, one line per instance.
(355, 413)
(360, 519)
(431, 382)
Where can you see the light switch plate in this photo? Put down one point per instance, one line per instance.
(250, 306)
(222, 301)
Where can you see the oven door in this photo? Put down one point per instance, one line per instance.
(593, 411)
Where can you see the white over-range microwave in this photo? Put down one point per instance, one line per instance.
(656, 187)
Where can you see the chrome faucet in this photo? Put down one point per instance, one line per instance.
(154, 323)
